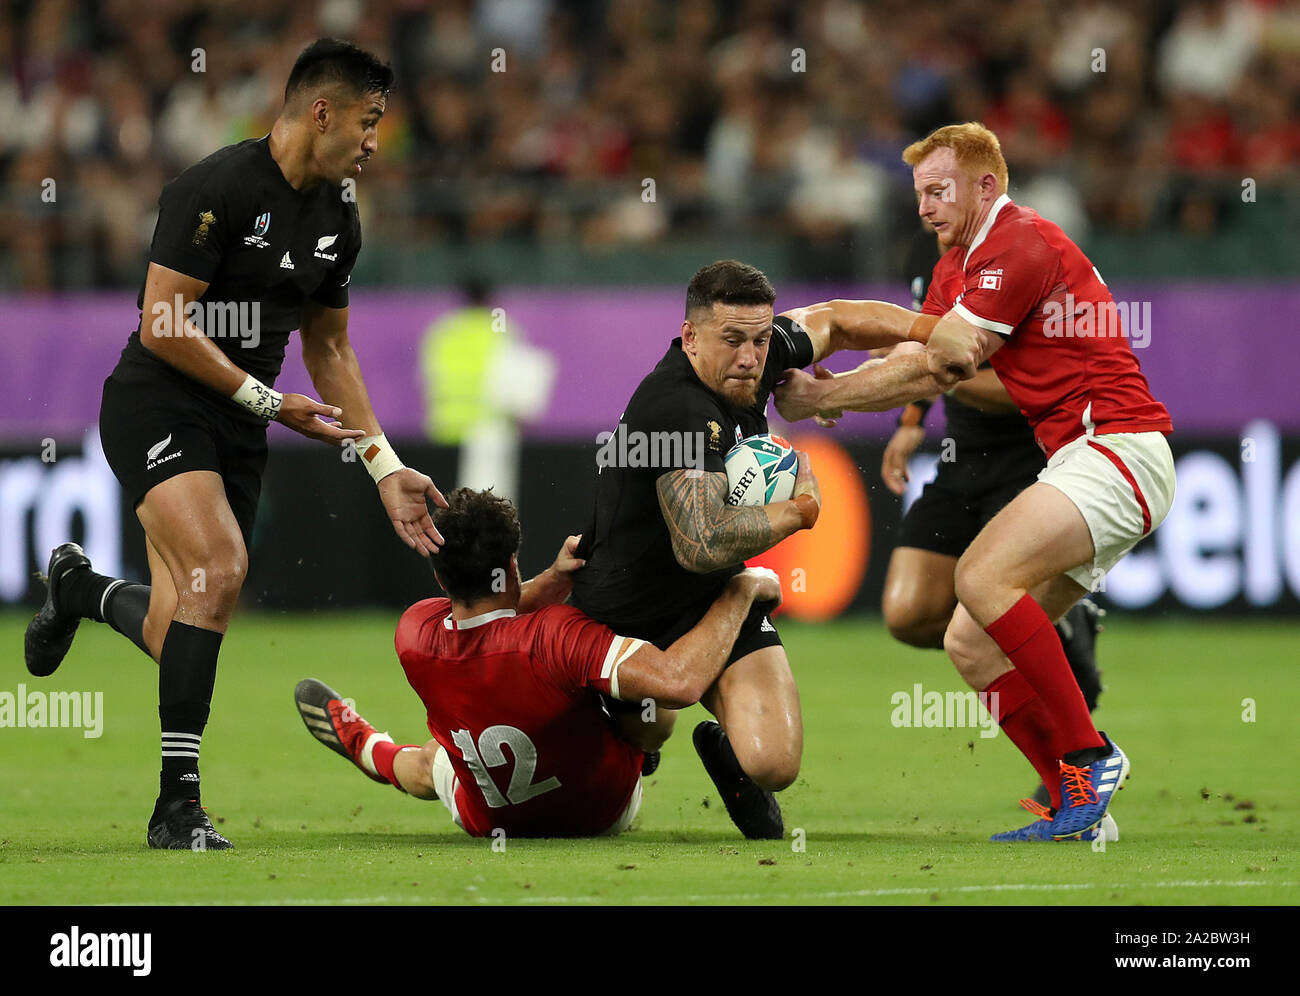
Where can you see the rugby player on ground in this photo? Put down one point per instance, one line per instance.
(1009, 288)
(264, 230)
(503, 664)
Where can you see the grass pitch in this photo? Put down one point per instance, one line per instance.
(880, 814)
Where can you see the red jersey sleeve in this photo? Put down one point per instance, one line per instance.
(938, 301)
(579, 652)
(1007, 277)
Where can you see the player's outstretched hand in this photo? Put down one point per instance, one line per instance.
(767, 586)
(404, 493)
(307, 416)
(893, 465)
(567, 560)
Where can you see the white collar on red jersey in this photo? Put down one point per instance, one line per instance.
(479, 620)
(1002, 201)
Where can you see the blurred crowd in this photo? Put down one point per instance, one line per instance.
(619, 122)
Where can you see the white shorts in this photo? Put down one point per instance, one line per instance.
(1122, 483)
(445, 784)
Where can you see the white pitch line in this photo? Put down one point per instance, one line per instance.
(793, 896)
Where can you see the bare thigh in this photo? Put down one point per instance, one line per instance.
(1039, 536)
(193, 531)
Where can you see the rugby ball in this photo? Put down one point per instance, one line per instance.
(760, 470)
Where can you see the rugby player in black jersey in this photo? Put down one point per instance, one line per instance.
(253, 242)
(995, 457)
(664, 541)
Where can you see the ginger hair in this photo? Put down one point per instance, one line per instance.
(977, 150)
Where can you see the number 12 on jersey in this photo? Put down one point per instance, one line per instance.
(488, 754)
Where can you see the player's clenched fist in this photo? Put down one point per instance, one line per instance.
(807, 495)
(952, 355)
(301, 414)
(799, 395)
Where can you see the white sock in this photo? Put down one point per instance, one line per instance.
(366, 757)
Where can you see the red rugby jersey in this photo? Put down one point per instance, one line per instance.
(1067, 361)
(513, 701)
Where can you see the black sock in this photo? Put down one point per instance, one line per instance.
(125, 607)
(81, 590)
(1085, 757)
(120, 603)
(729, 756)
(187, 673)
(1080, 651)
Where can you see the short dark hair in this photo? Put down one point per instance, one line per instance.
(329, 61)
(730, 282)
(481, 534)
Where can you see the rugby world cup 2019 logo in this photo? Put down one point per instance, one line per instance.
(261, 225)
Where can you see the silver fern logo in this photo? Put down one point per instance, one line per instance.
(157, 448)
(323, 243)
(152, 458)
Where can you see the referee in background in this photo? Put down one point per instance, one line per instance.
(253, 242)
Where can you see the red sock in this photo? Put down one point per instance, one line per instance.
(1027, 724)
(1028, 637)
(383, 754)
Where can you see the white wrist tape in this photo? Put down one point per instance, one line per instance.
(377, 456)
(258, 398)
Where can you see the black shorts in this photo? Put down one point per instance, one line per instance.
(756, 632)
(152, 431)
(957, 504)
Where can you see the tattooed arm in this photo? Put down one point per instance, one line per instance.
(708, 534)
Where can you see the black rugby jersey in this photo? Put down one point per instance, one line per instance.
(632, 582)
(264, 249)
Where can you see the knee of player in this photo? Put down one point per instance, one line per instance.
(417, 777)
(219, 576)
(972, 581)
(774, 773)
(908, 625)
(655, 735)
(960, 648)
(648, 730)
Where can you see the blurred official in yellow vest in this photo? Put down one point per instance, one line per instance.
(481, 380)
